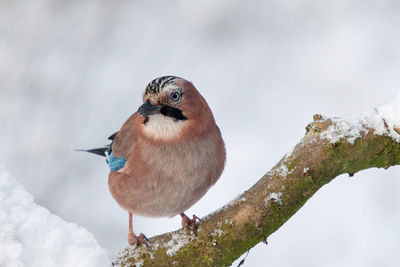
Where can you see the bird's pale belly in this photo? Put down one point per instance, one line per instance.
(168, 196)
(169, 183)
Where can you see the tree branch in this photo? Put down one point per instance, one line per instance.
(330, 147)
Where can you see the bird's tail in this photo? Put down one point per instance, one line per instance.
(98, 151)
(115, 163)
(102, 151)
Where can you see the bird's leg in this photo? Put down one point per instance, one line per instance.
(188, 223)
(134, 239)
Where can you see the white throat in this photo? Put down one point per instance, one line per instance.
(163, 127)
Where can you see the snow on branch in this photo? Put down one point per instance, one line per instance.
(331, 146)
(32, 236)
(382, 120)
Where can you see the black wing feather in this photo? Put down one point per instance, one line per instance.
(102, 150)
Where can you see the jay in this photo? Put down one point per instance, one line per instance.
(166, 155)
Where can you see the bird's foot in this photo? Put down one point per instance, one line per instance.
(138, 240)
(188, 223)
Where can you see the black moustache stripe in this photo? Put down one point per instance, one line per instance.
(173, 113)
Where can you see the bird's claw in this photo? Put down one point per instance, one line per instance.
(137, 240)
(188, 223)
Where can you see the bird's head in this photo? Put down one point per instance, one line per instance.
(172, 105)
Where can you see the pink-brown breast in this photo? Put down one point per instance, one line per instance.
(166, 178)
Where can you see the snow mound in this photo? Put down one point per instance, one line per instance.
(32, 236)
(385, 120)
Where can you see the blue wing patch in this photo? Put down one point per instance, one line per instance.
(115, 163)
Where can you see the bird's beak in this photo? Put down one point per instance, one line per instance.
(147, 109)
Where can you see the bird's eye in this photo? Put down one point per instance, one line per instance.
(175, 96)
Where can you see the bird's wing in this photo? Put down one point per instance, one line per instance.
(112, 137)
(123, 139)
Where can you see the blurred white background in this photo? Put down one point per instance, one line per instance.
(71, 72)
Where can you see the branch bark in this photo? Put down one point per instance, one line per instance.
(249, 219)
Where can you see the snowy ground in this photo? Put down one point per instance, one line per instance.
(71, 72)
(31, 236)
